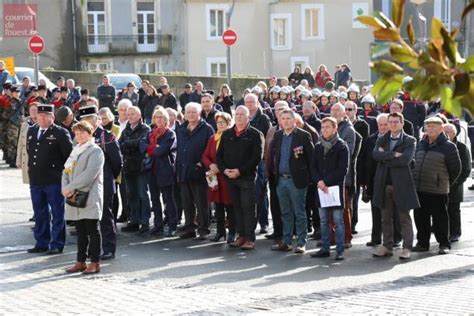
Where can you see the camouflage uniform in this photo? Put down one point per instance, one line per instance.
(14, 119)
(4, 100)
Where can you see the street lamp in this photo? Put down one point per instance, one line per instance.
(421, 21)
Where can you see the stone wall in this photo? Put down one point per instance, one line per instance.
(91, 80)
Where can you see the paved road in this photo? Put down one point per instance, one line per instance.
(186, 277)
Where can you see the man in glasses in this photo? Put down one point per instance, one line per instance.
(362, 128)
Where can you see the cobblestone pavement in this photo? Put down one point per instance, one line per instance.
(175, 276)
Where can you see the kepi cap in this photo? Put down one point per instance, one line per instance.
(90, 110)
(45, 108)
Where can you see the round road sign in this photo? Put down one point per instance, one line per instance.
(229, 37)
(36, 44)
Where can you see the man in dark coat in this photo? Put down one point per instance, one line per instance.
(197, 93)
(106, 94)
(209, 110)
(293, 150)
(135, 175)
(397, 106)
(48, 147)
(329, 167)
(261, 122)
(456, 193)
(394, 189)
(168, 99)
(371, 167)
(414, 112)
(309, 115)
(112, 167)
(362, 128)
(240, 151)
(192, 137)
(437, 166)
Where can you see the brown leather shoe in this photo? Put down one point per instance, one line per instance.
(238, 243)
(94, 267)
(77, 267)
(281, 247)
(248, 245)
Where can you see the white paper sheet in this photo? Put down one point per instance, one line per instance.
(331, 198)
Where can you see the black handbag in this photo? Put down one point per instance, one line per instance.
(78, 199)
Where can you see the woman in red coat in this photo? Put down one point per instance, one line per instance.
(322, 76)
(220, 194)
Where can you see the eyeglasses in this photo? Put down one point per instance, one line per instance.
(349, 110)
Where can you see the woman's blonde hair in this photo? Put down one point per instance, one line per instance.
(225, 116)
(161, 111)
(225, 85)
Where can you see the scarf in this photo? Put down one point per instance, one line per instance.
(217, 138)
(327, 144)
(75, 153)
(108, 126)
(153, 138)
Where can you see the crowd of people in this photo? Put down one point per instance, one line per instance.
(306, 155)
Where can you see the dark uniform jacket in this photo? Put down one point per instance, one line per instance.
(301, 151)
(113, 157)
(46, 157)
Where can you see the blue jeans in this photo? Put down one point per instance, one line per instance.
(261, 194)
(48, 206)
(338, 220)
(292, 204)
(167, 194)
(138, 200)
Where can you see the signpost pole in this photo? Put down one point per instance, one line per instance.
(36, 46)
(229, 62)
(36, 59)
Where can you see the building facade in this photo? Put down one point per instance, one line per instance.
(130, 36)
(275, 36)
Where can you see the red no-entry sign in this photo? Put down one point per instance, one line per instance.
(36, 44)
(229, 37)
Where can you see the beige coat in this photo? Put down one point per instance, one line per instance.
(87, 176)
(21, 153)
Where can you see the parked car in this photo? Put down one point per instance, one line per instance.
(22, 72)
(13, 80)
(120, 80)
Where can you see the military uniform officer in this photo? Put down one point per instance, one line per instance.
(112, 167)
(48, 147)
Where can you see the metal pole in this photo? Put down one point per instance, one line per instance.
(229, 62)
(74, 45)
(36, 59)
